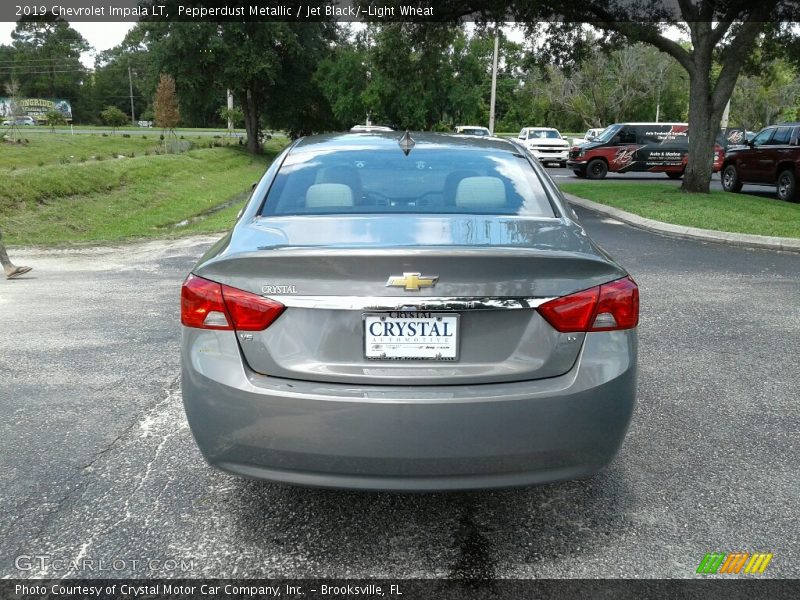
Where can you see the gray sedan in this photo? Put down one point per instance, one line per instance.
(408, 312)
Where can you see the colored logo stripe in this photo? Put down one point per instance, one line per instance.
(732, 563)
(758, 563)
(711, 562)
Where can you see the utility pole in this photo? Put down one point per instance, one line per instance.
(130, 88)
(725, 116)
(494, 83)
(230, 113)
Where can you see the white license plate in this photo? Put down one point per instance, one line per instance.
(411, 336)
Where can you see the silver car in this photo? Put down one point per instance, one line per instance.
(408, 312)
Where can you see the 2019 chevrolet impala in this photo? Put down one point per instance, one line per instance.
(411, 312)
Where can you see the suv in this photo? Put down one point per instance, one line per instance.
(772, 157)
(631, 147)
(546, 144)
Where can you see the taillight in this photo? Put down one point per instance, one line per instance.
(250, 312)
(210, 305)
(606, 307)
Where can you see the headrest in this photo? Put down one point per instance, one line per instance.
(481, 192)
(323, 195)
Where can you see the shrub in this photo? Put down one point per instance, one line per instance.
(126, 135)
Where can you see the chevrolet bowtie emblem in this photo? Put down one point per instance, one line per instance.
(412, 282)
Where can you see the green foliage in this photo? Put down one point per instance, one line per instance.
(114, 117)
(234, 115)
(770, 96)
(54, 118)
(120, 199)
(49, 41)
(605, 88)
(268, 66)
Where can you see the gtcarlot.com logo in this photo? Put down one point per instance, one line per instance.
(735, 563)
(45, 563)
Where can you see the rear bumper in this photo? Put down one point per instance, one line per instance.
(414, 437)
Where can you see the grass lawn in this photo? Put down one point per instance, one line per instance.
(722, 211)
(112, 199)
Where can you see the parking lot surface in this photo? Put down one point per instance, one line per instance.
(98, 463)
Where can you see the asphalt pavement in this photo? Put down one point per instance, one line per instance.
(98, 463)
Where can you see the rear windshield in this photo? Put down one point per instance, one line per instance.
(382, 181)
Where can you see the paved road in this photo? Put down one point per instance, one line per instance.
(97, 461)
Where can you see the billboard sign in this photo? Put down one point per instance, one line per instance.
(36, 108)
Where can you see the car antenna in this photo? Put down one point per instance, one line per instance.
(407, 143)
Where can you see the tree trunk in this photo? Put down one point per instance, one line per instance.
(702, 134)
(252, 119)
(702, 126)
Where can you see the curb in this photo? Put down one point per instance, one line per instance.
(747, 240)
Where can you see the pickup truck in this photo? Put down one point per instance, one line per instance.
(772, 158)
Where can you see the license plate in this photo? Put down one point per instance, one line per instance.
(411, 336)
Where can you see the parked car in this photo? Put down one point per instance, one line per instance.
(472, 130)
(415, 314)
(24, 121)
(546, 144)
(369, 128)
(637, 147)
(772, 157)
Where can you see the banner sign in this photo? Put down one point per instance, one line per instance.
(36, 108)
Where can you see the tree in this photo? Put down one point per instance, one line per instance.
(764, 98)
(54, 117)
(231, 115)
(46, 58)
(12, 90)
(114, 117)
(343, 78)
(721, 31)
(267, 66)
(608, 87)
(165, 104)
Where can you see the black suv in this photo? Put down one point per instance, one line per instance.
(772, 157)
